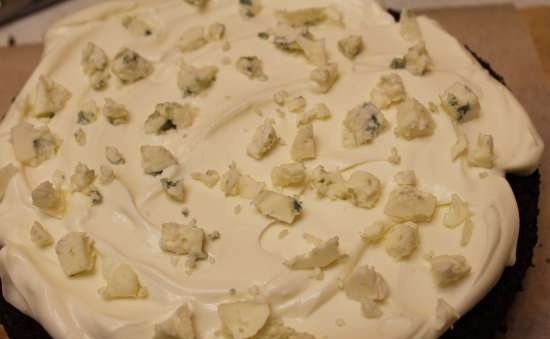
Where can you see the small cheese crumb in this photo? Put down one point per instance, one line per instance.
(394, 156)
(340, 322)
(417, 59)
(303, 17)
(130, 67)
(49, 200)
(183, 239)
(408, 26)
(40, 236)
(82, 178)
(193, 81)
(249, 9)
(319, 257)
(237, 209)
(402, 240)
(330, 184)
(482, 155)
(366, 284)
(362, 125)
(458, 212)
(389, 90)
(170, 115)
(155, 159)
(296, 105)
(278, 206)
(413, 120)
(288, 175)
(405, 178)
(192, 39)
(178, 326)
(265, 138)
(123, 283)
(252, 67)
(351, 46)
(197, 3)
(280, 97)
(137, 26)
(285, 38)
(32, 146)
(370, 309)
(88, 113)
(229, 184)
(210, 178)
(467, 231)
(304, 146)
(80, 137)
(174, 189)
(460, 102)
(106, 175)
(314, 50)
(406, 203)
(448, 269)
(461, 145)
(243, 319)
(445, 315)
(375, 232)
(47, 99)
(95, 65)
(114, 156)
(318, 112)
(325, 77)
(76, 253)
(216, 31)
(364, 189)
(115, 113)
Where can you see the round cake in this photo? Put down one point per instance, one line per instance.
(245, 169)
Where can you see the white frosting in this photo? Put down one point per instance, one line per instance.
(126, 227)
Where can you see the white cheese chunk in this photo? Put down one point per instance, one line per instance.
(243, 319)
(130, 67)
(394, 157)
(40, 236)
(402, 240)
(458, 212)
(47, 99)
(448, 269)
(123, 283)
(113, 155)
(216, 31)
(95, 65)
(408, 26)
(325, 77)
(6, 174)
(192, 39)
(32, 146)
(210, 178)
(178, 326)
(137, 26)
(467, 231)
(115, 113)
(286, 38)
(82, 178)
(445, 315)
(278, 206)
(318, 112)
(280, 97)
(106, 175)
(328, 184)
(375, 232)
(461, 145)
(321, 256)
(155, 159)
(302, 17)
(314, 50)
(265, 138)
(351, 46)
(389, 90)
(304, 146)
(460, 102)
(362, 125)
(413, 120)
(76, 253)
(288, 175)
(183, 239)
(230, 181)
(405, 178)
(251, 66)
(366, 284)
(364, 189)
(49, 200)
(193, 81)
(88, 113)
(249, 8)
(297, 104)
(417, 59)
(80, 137)
(174, 189)
(170, 115)
(249, 188)
(406, 203)
(370, 309)
(482, 154)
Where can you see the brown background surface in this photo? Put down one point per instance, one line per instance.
(498, 34)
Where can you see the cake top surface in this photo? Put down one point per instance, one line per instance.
(290, 169)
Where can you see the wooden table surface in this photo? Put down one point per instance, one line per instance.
(519, 49)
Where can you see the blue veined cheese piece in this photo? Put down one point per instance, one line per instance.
(362, 125)
(130, 67)
(460, 102)
(413, 120)
(76, 253)
(389, 90)
(192, 81)
(95, 64)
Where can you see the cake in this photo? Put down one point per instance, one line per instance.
(298, 169)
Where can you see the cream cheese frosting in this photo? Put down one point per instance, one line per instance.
(252, 249)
